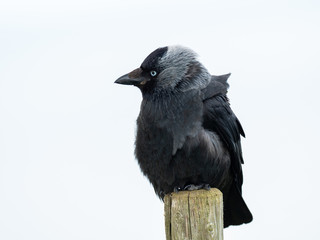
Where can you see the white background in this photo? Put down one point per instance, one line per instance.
(67, 169)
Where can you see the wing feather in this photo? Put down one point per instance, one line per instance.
(218, 117)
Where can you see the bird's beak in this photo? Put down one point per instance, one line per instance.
(132, 78)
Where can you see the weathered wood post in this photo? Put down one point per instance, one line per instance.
(194, 215)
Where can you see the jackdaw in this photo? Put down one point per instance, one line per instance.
(187, 135)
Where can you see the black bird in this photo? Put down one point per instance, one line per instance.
(187, 135)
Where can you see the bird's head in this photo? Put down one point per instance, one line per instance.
(168, 68)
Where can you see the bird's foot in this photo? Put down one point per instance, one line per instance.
(177, 189)
(192, 187)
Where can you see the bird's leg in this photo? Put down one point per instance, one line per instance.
(192, 187)
(177, 189)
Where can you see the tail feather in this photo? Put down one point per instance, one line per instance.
(236, 211)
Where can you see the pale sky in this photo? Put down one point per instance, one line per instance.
(67, 167)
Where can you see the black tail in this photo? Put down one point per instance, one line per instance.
(236, 211)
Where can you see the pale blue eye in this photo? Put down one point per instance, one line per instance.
(153, 73)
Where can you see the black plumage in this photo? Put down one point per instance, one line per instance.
(187, 135)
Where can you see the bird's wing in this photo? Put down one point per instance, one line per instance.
(219, 118)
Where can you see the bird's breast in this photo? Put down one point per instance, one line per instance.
(164, 124)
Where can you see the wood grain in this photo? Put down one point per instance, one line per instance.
(194, 215)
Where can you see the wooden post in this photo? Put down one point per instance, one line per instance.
(194, 215)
